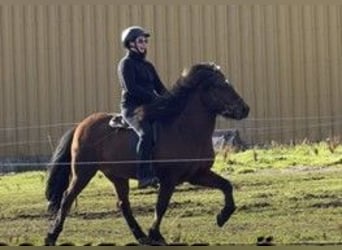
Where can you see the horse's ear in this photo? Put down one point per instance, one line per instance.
(185, 72)
(217, 67)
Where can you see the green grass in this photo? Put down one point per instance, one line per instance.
(322, 154)
(294, 203)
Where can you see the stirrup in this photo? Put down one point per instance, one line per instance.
(148, 182)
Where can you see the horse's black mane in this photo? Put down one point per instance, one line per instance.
(173, 102)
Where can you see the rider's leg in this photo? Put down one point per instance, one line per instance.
(144, 130)
(144, 149)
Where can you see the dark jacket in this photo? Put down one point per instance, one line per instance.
(139, 81)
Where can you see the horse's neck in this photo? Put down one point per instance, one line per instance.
(194, 122)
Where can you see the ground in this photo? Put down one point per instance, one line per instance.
(290, 204)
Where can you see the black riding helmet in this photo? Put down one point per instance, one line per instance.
(131, 33)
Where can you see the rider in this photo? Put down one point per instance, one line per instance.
(141, 85)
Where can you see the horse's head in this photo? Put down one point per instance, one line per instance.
(217, 93)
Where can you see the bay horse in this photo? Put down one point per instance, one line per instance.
(183, 150)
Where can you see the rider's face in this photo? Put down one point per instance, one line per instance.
(141, 44)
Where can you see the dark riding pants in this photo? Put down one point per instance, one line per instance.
(144, 130)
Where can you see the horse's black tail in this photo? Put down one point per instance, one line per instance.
(59, 169)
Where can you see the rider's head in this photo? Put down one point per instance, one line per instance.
(135, 38)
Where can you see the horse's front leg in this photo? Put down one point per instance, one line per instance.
(122, 190)
(165, 193)
(211, 179)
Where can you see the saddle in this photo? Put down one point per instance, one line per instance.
(118, 121)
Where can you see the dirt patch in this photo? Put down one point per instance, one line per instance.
(306, 169)
(299, 169)
(331, 204)
(96, 215)
(258, 206)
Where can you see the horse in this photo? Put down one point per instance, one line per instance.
(183, 151)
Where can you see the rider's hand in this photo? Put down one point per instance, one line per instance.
(139, 113)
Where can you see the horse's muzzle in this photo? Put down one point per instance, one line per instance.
(237, 112)
(241, 112)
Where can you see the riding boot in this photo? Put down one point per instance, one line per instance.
(145, 172)
(146, 176)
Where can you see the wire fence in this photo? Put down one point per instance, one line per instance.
(37, 161)
(248, 130)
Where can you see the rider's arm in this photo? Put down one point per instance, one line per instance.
(158, 85)
(130, 83)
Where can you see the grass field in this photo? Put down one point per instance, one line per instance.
(291, 193)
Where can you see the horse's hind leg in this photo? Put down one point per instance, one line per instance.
(211, 179)
(80, 179)
(121, 186)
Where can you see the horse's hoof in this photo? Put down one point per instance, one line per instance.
(219, 220)
(224, 216)
(158, 243)
(49, 242)
(156, 238)
(144, 241)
